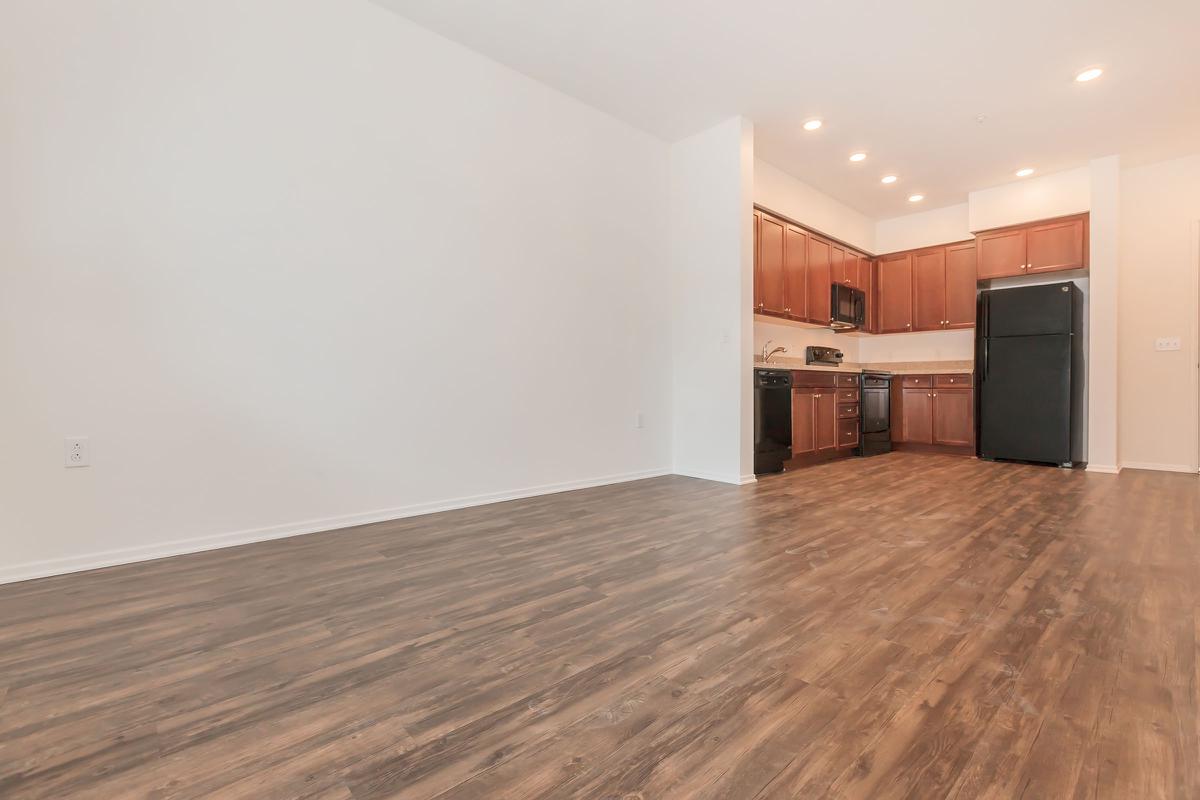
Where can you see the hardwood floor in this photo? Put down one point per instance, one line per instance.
(916, 626)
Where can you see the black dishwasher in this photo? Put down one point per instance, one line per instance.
(876, 413)
(772, 419)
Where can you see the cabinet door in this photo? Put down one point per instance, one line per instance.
(895, 293)
(866, 278)
(757, 264)
(770, 265)
(851, 269)
(1000, 254)
(1057, 245)
(819, 282)
(929, 289)
(960, 285)
(952, 420)
(916, 417)
(826, 421)
(795, 278)
(837, 264)
(803, 419)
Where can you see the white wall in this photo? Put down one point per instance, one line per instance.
(296, 263)
(711, 300)
(923, 229)
(795, 199)
(1159, 223)
(1103, 323)
(1030, 199)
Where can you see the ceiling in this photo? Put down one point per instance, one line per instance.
(906, 82)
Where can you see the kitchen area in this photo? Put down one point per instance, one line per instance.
(973, 348)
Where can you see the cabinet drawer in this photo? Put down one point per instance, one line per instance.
(848, 411)
(815, 380)
(952, 380)
(847, 395)
(916, 381)
(844, 379)
(848, 433)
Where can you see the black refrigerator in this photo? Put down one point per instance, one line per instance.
(1029, 354)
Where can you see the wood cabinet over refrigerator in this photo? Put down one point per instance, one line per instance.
(1048, 246)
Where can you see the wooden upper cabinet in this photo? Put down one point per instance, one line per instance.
(866, 280)
(1048, 246)
(795, 278)
(895, 293)
(929, 289)
(1000, 254)
(960, 285)
(953, 421)
(757, 263)
(837, 264)
(852, 272)
(770, 266)
(916, 416)
(1057, 245)
(820, 254)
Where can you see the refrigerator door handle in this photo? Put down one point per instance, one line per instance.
(985, 359)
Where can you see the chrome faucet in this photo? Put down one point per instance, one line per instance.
(766, 357)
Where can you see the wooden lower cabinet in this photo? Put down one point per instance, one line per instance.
(935, 410)
(814, 421)
(804, 415)
(916, 416)
(953, 417)
(825, 415)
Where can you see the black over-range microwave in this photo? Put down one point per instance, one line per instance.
(848, 307)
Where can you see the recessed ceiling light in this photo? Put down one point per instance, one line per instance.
(1024, 172)
(858, 156)
(1089, 74)
(916, 198)
(812, 124)
(888, 179)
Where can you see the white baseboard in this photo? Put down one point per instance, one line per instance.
(1158, 467)
(736, 480)
(1108, 469)
(130, 555)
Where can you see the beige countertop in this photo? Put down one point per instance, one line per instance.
(894, 367)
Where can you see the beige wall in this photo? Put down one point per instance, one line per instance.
(1160, 204)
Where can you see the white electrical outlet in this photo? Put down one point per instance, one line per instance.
(77, 452)
(1167, 343)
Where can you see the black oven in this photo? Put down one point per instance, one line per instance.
(848, 307)
(876, 407)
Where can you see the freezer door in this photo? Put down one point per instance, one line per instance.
(1025, 398)
(1029, 310)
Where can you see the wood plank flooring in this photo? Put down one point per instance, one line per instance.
(906, 626)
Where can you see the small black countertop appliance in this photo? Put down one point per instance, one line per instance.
(772, 419)
(1029, 369)
(822, 356)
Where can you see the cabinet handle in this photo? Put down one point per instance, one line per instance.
(787, 311)
(929, 395)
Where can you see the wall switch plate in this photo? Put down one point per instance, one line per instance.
(77, 453)
(1167, 343)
